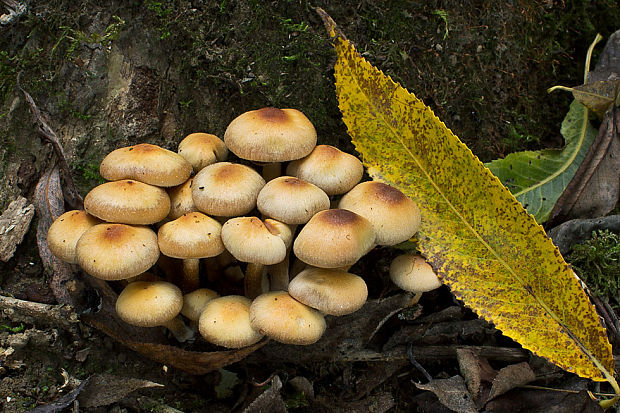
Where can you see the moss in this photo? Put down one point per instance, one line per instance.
(597, 262)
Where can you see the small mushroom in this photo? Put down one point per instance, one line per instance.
(225, 321)
(152, 304)
(202, 149)
(278, 315)
(195, 301)
(291, 200)
(181, 201)
(66, 230)
(411, 272)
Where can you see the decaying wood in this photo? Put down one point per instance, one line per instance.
(14, 224)
(38, 314)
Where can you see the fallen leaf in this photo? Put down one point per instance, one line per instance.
(538, 178)
(476, 235)
(105, 389)
(597, 96)
(510, 377)
(543, 401)
(452, 393)
(470, 370)
(270, 400)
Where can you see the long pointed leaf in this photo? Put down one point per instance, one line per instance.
(538, 178)
(476, 235)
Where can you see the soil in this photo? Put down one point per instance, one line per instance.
(109, 74)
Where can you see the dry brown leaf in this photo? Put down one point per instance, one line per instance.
(510, 377)
(105, 389)
(452, 393)
(270, 400)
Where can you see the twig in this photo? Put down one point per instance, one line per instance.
(417, 365)
(37, 313)
(72, 197)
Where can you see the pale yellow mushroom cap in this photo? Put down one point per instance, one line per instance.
(291, 200)
(146, 163)
(412, 273)
(225, 321)
(195, 302)
(271, 135)
(226, 189)
(394, 216)
(117, 251)
(334, 238)
(128, 202)
(249, 240)
(330, 291)
(149, 303)
(181, 201)
(278, 315)
(192, 235)
(66, 230)
(327, 167)
(202, 149)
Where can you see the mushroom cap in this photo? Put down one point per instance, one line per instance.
(225, 321)
(146, 163)
(394, 216)
(278, 315)
(194, 302)
(291, 200)
(66, 230)
(327, 167)
(128, 202)
(411, 272)
(330, 291)
(117, 251)
(334, 238)
(181, 201)
(226, 189)
(149, 303)
(271, 135)
(202, 149)
(249, 240)
(282, 230)
(192, 235)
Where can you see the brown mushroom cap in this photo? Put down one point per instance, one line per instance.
(249, 240)
(327, 167)
(202, 149)
(411, 272)
(271, 135)
(117, 251)
(334, 238)
(278, 315)
(149, 303)
(181, 201)
(128, 202)
(194, 302)
(291, 200)
(394, 216)
(225, 321)
(226, 189)
(146, 163)
(192, 235)
(66, 230)
(330, 291)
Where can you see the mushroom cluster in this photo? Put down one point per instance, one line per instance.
(292, 238)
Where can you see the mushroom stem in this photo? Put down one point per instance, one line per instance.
(279, 274)
(253, 280)
(272, 170)
(191, 278)
(179, 330)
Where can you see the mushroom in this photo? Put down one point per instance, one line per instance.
(195, 301)
(117, 251)
(128, 202)
(152, 304)
(327, 167)
(181, 201)
(202, 149)
(66, 230)
(411, 272)
(226, 189)
(291, 200)
(330, 291)
(249, 240)
(278, 315)
(279, 271)
(271, 136)
(394, 216)
(334, 238)
(225, 321)
(146, 163)
(191, 237)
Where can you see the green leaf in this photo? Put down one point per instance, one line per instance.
(538, 178)
(475, 234)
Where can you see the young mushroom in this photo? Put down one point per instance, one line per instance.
(181, 201)
(291, 200)
(195, 301)
(152, 304)
(66, 230)
(202, 149)
(411, 272)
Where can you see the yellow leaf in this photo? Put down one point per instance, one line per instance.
(476, 235)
